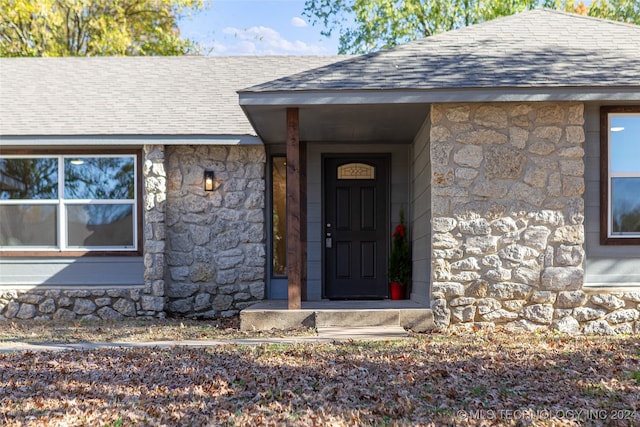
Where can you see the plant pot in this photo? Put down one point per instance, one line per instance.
(397, 290)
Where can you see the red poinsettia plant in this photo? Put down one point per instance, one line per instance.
(400, 257)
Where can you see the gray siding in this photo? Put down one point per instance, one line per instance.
(605, 265)
(70, 272)
(399, 197)
(421, 216)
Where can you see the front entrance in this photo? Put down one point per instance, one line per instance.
(356, 225)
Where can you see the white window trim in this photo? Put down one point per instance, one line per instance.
(61, 206)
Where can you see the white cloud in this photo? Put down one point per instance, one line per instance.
(296, 21)
(259, 41)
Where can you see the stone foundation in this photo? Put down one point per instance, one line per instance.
(110, 304)
(597, 312)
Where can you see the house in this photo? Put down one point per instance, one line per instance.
(512, 146)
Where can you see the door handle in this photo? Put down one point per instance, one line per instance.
(328, 241)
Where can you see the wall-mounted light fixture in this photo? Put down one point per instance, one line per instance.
(208, 180)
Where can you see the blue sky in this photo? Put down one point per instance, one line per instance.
(256, 27)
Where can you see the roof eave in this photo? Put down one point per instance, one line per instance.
(127, 140)
(420, 96)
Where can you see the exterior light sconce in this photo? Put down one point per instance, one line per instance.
(208, 181)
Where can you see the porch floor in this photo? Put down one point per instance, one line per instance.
(273, 314)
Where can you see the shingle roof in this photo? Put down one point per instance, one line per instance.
(539, 48)
(135, 95)
(197, 95)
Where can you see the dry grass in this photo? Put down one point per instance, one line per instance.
(131, 331)
(464, 378)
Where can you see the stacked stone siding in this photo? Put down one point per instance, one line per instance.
(508, 211)
(154, 235)
(215, 240)
(81, 304)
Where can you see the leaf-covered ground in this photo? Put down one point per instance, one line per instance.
(78, 331)
(464, 378)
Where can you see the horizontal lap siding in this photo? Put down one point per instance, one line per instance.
(421, 217)
(56, 273)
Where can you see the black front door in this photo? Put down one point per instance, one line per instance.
(356, 226)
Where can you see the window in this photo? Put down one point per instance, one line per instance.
(279, 202)
(69, 203)
(620, 175)
(356, 171)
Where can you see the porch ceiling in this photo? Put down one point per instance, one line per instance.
(341, 123)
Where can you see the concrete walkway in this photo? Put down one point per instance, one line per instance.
(324, 335)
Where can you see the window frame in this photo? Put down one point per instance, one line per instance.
(606, 238)
(61, 205)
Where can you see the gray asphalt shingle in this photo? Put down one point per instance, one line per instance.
(198, 95)
(540, 48)
(135, 95)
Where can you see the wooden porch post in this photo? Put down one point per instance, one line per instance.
(296, 212)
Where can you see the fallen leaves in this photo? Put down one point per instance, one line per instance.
(441, 379)
(74, 331)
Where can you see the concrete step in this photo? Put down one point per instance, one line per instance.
(274, 315)
(357, 318)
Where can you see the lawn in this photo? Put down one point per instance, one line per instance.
(456, 378)
(78, 331)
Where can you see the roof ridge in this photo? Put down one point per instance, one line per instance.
(175, 57)
(518, 15)
(578, 15)
(457, 31)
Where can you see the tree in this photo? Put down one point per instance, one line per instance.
(94, 27)
(370, 25)
(616, 10)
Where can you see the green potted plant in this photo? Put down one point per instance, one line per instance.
(399, 261)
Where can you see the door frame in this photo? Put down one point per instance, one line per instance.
(323, 190)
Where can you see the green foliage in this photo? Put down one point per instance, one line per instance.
(400, 258)
(616, 10)
(94, 27)
(370, 25)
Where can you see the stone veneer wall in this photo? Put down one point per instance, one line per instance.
(90, 303)
(508, 234)
(215, 241)
(155, 207)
